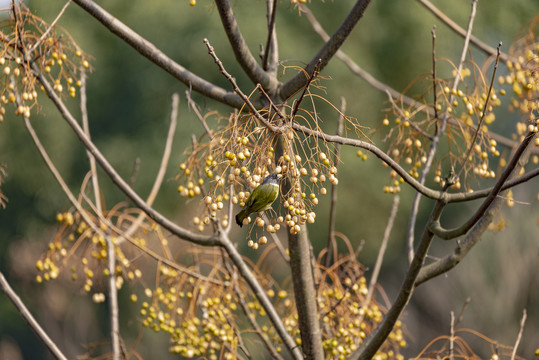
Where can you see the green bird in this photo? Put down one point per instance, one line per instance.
(261, 198)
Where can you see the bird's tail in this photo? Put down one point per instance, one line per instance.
(240, 217)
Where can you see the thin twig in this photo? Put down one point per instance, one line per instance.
(434, 82)
(237, 90)
(461, 315)
(440, 130)
(489, 50)
(30, 320)
(463, 229)
(312, 76)
(483, 113)
(51, 26)
(111, 253)
(271, 42)
(383, 247)
(333, 203)
(452, 336)
(520, 331)
(277, 241)
(194, 107)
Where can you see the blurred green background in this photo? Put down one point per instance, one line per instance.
(129, 105)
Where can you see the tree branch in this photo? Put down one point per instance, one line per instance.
(244, 57)
(463, 229)
(440, 130)
(368, 348)
(487, 49)
(260, 294)
(270, 61)
(116, 178)
(152, 53)
(325, 54)
(30, 320)
(333, 203)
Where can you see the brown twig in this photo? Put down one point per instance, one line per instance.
(440, 130)
(312, 76)
(194, 107)
(333, 203)
(51, 26)
(519, 336)
(238, 91)
(383, 247)
(452, 336)
(463, 229)
(483, 113)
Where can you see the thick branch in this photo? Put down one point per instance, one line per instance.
(327, 51)
(453, 233)
(303, 280)
(151, 52)
(450, 261)
(368, 348)
(244, 57)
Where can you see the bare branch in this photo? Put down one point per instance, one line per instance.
(333, 204)
(237, 90)
(440, 130)
(368, 348)
(377, 84)
(270, 61)
(327, 51)
(522, 322)
(478, 129)
(193, 105)
(51, 26)
(261, 295)
(116, 178)
(30, 320)
(383, 247)
(453, 233)
(244, 57)
(151, 52)
(489, 50)
(304, 290)
(452, 336)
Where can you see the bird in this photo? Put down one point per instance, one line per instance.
(261, 198)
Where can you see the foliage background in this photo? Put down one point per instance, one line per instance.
(129, 105)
